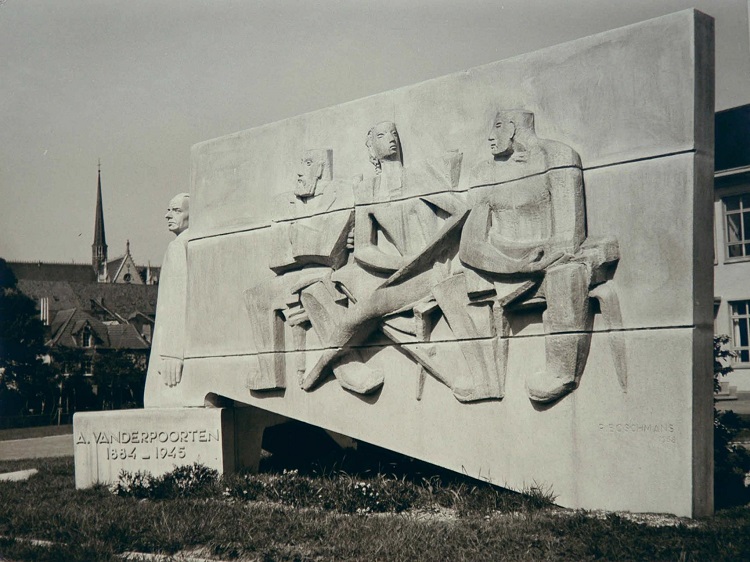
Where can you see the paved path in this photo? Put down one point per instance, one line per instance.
(56, 446)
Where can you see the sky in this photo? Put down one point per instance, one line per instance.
(136, 83)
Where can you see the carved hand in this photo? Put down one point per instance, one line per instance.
(350, 239)
(171, 370)
(542, 261)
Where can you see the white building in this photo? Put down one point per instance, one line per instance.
(732, 237)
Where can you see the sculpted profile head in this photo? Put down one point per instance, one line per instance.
(178, 213)
(383, 143)
(503, 134)
(314, 165)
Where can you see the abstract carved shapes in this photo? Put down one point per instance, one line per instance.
(526, 234)
(610, 307)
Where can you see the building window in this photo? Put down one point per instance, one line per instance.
(737, 225)
(86, 366)
(740, 314)
(86, 337)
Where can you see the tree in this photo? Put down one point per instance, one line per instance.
(731, 460)
(25, 380)
(120, 377)
(75, 392)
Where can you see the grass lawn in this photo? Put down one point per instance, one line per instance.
(445, 518)
(29, 432)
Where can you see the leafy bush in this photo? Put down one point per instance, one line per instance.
(731, 461)
(194, 480)
(138, 484)
(722, 359)
(336, 492)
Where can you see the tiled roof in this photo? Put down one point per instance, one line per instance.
(123, 299)
(60, 293)
(114, 265)
(39, 271)
(67, 326)
(125, 336)
(59, 323)
(65, 330)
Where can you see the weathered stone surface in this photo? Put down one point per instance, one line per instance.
(622, 203)
(573, 89)
(18, 475)
(514, 443)
(557, 277)
(158, 440)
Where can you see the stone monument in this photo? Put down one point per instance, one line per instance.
(529, 302)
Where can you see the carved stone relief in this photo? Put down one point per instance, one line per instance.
(526, 236)
(312, 244)
(411, 252)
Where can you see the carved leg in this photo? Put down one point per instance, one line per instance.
(267, 327)
(300, 345)
(356, 323)
(486, 369)
(610, 307)
(351, 372)
(567, 339)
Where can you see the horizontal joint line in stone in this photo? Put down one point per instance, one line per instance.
(519, 178)
(225, 232)
(445, 341)
(642, 159)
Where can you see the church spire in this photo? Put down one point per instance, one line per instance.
(99, 247)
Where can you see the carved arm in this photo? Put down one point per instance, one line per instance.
(366, 251)
(449, 203)
(568, 211)
(475, 251)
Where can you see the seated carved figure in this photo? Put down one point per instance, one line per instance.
(316, 239)
(310, 243)
(405, 235)
(526, 238)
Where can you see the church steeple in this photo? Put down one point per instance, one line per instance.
(99, 247)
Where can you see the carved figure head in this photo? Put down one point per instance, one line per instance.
(504, 130)
(314, 165)
(178, 213)
(383, 143)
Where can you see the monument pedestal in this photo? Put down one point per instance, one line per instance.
(157, 440)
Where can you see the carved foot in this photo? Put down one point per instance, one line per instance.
(465, 389)
(547, 387)
(358, 377)
(315, 374)
(351, 371)
(566, 356)
(486, 362)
